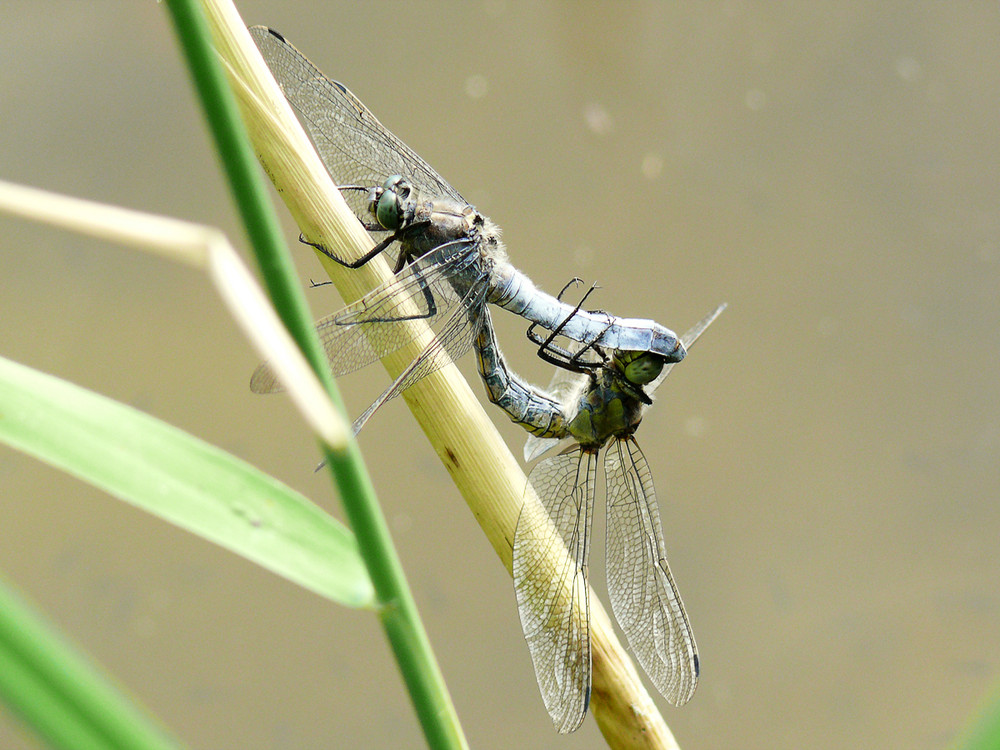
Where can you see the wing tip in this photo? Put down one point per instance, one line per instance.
(260, 31)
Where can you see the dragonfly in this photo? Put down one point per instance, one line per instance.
(449, 259)
(597, 399)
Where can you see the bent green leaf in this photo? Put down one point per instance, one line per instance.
(181, 479)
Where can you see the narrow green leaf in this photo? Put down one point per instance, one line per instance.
(181, 479)
(55, 691)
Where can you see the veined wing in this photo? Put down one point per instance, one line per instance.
(689, 337)
(536, 446)
(355, 147)
(643, 595)
(378, 323)
(453, 340)
(551, 546)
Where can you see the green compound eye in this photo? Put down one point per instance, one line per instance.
(388, 202)
(641, 368)
(387, 210)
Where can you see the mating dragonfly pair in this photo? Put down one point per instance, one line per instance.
(449, 265)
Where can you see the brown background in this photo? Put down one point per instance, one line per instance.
(827, 458)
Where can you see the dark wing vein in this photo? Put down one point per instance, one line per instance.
(551, 546)
(452, 341)
(355, 147)
(643, 595)
(378, 323)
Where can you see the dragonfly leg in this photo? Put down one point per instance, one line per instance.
(404, 258)
(559, 356)
(428, 298)
(417, 280)
(353, 264)
(401, 234)
(579, 305)
(575, 281)
(416, 228)
(577, 358)
(546, 342)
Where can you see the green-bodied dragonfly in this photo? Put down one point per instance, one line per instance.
(449, 258)
(598, 405)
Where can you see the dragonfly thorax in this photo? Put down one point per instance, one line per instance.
(610, 408)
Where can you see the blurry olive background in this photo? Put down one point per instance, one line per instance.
(827, 458)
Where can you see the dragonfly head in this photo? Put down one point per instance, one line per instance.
(388, 203)
(639, 368)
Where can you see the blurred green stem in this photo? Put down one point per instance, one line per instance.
(58, 694)
(983, 732)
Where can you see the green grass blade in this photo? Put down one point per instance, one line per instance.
(55, 691)
(181, 479)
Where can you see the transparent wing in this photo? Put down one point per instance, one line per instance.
(689, 337)
(551, 546)
(643, 595)
(535, 446)
(453, 340)
(436, 288)
(355, 147)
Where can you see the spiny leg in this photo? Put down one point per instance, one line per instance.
(547, 349)
(427, 275)
(560, 357)
(354, 264)
(396, 236)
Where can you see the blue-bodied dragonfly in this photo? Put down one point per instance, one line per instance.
(449, 258)
(597, 399)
